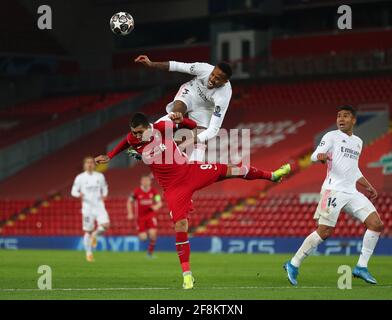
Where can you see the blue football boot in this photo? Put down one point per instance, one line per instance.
(364, 274)
(292, 273)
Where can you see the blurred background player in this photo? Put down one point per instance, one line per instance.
(205, 98)
(91, 187)
(341, 149)
(143, 203)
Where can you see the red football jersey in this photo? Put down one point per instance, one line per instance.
(143, 201)
(168, 164)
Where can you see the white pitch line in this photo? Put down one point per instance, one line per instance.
(175, 288)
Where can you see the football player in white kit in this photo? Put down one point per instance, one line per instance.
(205, 98)
(91, 187)
(340, 150)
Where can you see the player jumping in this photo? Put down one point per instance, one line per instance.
(341, 149)
(143, 203)
(91, 187)
(179, 178)
(205, 98)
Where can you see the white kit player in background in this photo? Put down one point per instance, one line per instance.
(205, 98)
(91, 187)
(340, 150)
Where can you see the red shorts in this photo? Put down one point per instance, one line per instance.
(144, 224)
(179, 198)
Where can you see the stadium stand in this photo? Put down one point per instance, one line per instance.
(27, 119)
(312, 45)
(282, 130)
(62, 217)
(277, 215)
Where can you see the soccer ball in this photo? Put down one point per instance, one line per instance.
(121, 23)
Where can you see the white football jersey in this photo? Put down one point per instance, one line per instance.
(93, 187)
(343, 170)
(207, 105)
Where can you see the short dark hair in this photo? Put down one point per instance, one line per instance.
(350, 108)
(139, 119)
(226, 68)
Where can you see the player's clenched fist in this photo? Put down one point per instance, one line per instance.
(102, 159)
(177, 117)
(143, 59)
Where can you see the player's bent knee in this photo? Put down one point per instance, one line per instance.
(181, 226)
(152, 234)
(374, 223)
(325, 231)
(143, 236)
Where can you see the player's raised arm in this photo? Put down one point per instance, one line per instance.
(321, 152)
(144, 60)
(120, 147)
(177, 121)
(195, 68)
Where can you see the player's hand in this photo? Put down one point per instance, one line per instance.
(176, 117)
(130, 216)
(143, 59)
(81, 196)
(372, 193)
(323, 157)
(102, 159)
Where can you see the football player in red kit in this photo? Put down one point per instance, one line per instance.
(142, 204)
(178, 178)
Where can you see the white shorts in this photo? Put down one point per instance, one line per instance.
(332, 202)
(100, 215)
(201, 114)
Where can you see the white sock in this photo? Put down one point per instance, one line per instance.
(369, 243)
(309, 244)
(198, 153)
(87, 243)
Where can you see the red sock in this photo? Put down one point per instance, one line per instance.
(183, 250)
(151, 247)
(255, 173)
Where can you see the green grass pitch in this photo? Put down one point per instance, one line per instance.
(218, 276)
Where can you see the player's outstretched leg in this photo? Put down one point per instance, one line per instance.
(88, 247)
(253, 173)
(309, 244)
(184, 252)
(374, 227)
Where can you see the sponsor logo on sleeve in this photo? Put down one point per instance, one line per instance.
(217, 111)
